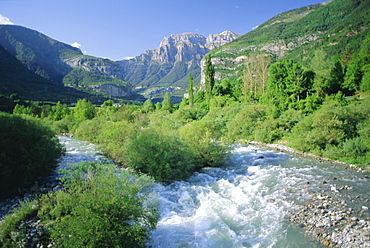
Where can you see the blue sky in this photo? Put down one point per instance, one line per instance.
(117, 29)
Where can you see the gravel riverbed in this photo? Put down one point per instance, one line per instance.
(330, 212)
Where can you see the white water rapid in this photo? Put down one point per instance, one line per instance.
(242, 204)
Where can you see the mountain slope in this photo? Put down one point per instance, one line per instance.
(16, 78)
(54, 60)
(334, 27)
(168, 66)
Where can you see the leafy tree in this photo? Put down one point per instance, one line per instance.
(184, 102)
(365, 81)
(336, 78)
(158, 105)
(167, 104)
(201, 141)
(200, 96)
(288, 83)
(148, 106)
(162, 156)
(255, 75)
(59, 111)
(358, 66)
(242, 126)
(84, 110)
(113, 136)
(29, 152)
(330, 126)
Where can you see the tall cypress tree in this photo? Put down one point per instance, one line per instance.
(167, 102)
(209, 76)
(190, 90)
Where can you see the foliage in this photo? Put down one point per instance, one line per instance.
(148, 106)
(9, 224)
(84, 110)
(245, 121)
(167, 104)
(209, 78)
(288, 84)
(163, 156)
(190, 90)
(255, 75)
(103, 206)
(28, 152)
(332, 127)
(201, 139)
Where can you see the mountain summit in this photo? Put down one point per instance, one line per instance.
(167, 67)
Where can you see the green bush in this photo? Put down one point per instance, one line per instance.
(162, 156)
(201, 139)
(244, 123)
(89, 130)
(28, 152)
(112, 138)
(102, 206)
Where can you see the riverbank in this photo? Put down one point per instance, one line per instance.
(332, 215)
(290, 150)
(329, 211)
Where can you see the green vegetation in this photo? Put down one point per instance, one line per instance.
(101, 206)
(78, 77)
(316, 99)
(29, 152)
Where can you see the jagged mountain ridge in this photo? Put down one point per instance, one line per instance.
(167, 67)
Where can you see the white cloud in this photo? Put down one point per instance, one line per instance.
(128, 58)
(76, 44)
(79, 46)
(5, 20)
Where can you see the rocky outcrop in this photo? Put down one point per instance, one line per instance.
(97, 65)
(217, 40)
(112, 90)
(170, 63)
(175, 39)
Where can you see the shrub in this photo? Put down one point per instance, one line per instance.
(206, 150)
(28, 152)
(103, 206)
(112, 138)
(244, 123)
(162, 156)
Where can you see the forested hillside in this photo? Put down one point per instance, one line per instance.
(52, 61)
(328, 32)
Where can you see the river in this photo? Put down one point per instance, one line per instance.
(246, 202)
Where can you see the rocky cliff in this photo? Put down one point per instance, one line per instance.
(168, 65)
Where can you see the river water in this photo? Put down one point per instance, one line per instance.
(242, 204)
